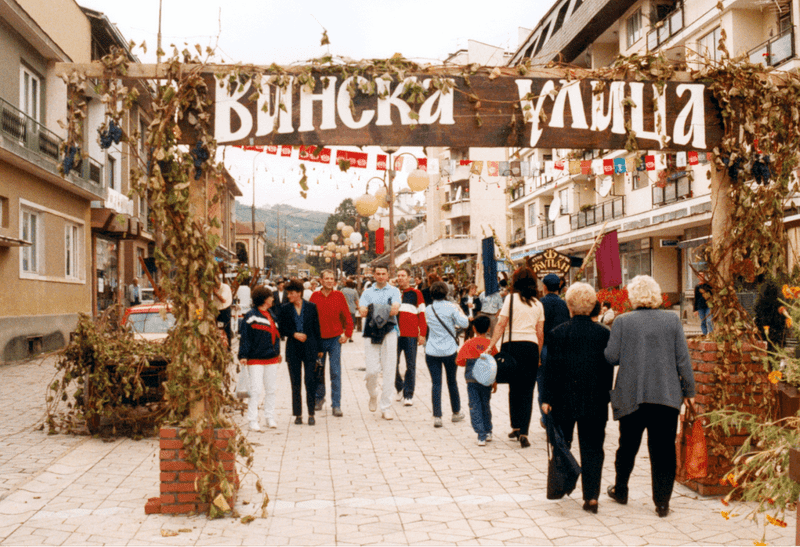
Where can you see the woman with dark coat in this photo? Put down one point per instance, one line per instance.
(577, 380)
(655, 377)
(523, 314)
(299, 324)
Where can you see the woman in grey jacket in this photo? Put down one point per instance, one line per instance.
(655, 376)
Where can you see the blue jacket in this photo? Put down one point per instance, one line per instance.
(260, 337)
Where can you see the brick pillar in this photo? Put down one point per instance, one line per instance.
(750, 379)
(178, 494)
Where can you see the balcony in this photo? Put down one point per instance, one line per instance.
(774, 51)
(665, 29)
(678, 186)
(545, 230)
(599, 213)
(38, 147)
(457, 209)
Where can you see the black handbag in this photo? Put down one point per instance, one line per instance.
(562, 467)
(506, 364)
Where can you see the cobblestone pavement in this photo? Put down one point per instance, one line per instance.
(353, 480)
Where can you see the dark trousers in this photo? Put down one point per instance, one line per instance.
(591, 435)
(520, 391)
(407, 345)
(661, 423)
(435, 365)
(301, 364)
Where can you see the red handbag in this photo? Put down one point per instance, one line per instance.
(696, 462)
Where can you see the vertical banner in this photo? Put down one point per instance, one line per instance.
(609, 270)
(379, 234)
(489, 266)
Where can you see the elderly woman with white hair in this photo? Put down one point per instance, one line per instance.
(577, 381)
(655, 377)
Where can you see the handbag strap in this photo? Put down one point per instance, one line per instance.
(510, 315)
(445, 326)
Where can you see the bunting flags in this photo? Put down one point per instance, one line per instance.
(465, 168)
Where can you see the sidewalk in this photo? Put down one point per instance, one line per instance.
(353, 480)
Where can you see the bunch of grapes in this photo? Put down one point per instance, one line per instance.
(112, 134)
(200, 154)
(69, 159)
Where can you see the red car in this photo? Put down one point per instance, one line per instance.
(150, 322)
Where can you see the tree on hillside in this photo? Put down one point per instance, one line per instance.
(346, 212)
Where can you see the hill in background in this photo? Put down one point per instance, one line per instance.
(301, 225)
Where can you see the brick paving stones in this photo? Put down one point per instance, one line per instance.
(354, 480)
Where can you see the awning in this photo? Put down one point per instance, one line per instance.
(692, 243)
(6, 241)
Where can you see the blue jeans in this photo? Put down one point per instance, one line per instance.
(435, 367)
(705, 320)
(408, 345)
(332, 347)
(480, 407)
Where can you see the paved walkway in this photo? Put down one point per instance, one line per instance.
(354, 480)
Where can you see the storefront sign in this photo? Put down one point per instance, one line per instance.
(550, 261)
(489, 112)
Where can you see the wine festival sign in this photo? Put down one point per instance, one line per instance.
(455, 111)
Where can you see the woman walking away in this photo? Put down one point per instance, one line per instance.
(523, 314)
(260, 351)
(655, 376)
(577, 380)
(443, 318)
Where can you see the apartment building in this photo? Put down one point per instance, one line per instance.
(254, 243)
(663, 217)
(466, 205)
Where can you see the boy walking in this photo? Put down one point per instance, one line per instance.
(480, 396)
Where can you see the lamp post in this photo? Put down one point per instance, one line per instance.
(390, 200)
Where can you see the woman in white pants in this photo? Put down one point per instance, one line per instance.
(260, 352)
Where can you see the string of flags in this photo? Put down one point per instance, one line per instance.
(521, 168)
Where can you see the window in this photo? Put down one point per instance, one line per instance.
(72, 248)
(563, 195)
(532, 214)
(634, 27)
(635, 259)
(3, 212)
(542, 38)
(639, 179)
(112, 173)
(31, 231)
(562, 14)
(707, 46)
(30, 88)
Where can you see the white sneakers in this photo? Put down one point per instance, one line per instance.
(407, 402)
(458, 417)
(272, 424)
(255, 427)
(481, 443)
(387, 415)
(437, 422)
(373, 404)
(399, 395)
(488, 437)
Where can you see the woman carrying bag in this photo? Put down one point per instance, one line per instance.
(443, 318)
(524, 315)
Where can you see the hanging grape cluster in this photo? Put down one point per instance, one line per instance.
(112, 134)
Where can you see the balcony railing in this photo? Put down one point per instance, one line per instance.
(670, 25)
(545, 230)
(775, 50)
(679, 187)
(18, 127)
(599, 213)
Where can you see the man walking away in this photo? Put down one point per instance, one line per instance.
(336, 327)
(413, 329)
(380, 304)
(491, 304)
(556, 312)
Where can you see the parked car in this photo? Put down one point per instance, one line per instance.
(149, 321)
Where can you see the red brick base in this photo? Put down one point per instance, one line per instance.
(704, 361)
(178, 493)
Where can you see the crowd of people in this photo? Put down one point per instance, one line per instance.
(567, 346)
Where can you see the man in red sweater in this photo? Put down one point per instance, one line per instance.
(413, 329)
(336, 327)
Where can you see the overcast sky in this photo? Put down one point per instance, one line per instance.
(266, 31)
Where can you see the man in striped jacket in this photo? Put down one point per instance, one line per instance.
(413, 329)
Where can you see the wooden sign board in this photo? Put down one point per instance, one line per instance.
(506, 111)
(550, 261)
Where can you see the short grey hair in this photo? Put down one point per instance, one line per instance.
(580, 298)
(644, 292)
